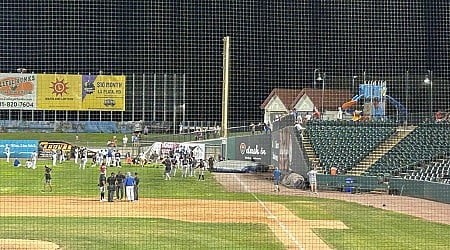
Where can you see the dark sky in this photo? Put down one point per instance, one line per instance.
(274, 44)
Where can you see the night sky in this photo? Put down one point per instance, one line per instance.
(273, 44)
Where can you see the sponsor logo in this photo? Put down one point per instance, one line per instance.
(59, 87)
(17, 86)
(257, 150)
(242, 148)
(49, 146)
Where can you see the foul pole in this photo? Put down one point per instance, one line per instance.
(226, 68)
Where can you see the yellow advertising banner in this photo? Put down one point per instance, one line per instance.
(103, 92)
(59, 92)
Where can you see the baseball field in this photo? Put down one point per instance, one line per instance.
(226, 211)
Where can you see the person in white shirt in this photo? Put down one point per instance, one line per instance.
(75, 154)
(124, 140)
(54, 155)
(34, 157)
(312, 178)
(7, 152)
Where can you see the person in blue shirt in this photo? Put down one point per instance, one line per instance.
(276, 179)
(129, 187)
(16, 163)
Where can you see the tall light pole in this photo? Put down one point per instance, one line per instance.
(353, 82)
(315, 78)
(429, 80)
(321, 77)
(407, 97)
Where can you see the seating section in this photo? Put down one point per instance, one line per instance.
(344, 144)
(419, 148)
(438, 171)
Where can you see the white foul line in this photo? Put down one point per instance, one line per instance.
(281, 224)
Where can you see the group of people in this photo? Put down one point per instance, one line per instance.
(188, 165)
(312, 179)
(115, 184)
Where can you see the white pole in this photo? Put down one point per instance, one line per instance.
(184, 98)
(226, 68)
(143, 97)
(154, 97)
(174, 90)
(132, 100)
(164, 97)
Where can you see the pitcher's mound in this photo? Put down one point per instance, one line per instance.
(18, 244)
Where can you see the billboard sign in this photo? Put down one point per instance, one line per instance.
(46, 148)
(59, 92)
(18, 91)
(103, 92)
(18, 148)
(256, 147)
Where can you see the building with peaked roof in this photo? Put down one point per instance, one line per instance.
(281, 101)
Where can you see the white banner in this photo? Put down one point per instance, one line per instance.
(18, 91)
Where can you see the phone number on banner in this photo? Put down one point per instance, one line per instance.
(16, 104)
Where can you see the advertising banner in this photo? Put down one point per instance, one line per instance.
(18, 148)
(103, 92)
(18, 91)
(282, 149)
(59, 92)
(256, 147)
(46, 147)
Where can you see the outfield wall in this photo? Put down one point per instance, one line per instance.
(421, 189)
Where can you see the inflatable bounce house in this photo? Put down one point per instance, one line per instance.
(370, 103)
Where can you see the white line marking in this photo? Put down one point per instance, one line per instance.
(271, 215)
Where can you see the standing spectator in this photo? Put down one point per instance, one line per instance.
(253, 128)
(312, 178)
(101, 185)
(54, 156)
(174, 162)
(142, 159)
(340, 114)
(201, 172)
(136, 186)
(276, 179)
(83, 159)
(128, 158)
(211, 163)
(62, 156)
(7, 152)
(111, 186)
(109, 157)
(193, 163)
(145, 130)
(47, 178)
(184, 166)
(168, 167)
(117, 159)
(114, 141)
(120, 177)
(34, 157)
(124, 140)
(76, 152)
(103, 169)
(129, 187)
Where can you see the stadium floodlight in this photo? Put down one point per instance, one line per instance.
(21, 70)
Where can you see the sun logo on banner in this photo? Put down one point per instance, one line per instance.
(59, 87)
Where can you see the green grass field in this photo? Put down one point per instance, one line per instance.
(369, 228)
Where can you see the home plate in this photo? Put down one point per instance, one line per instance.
(271, 217)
